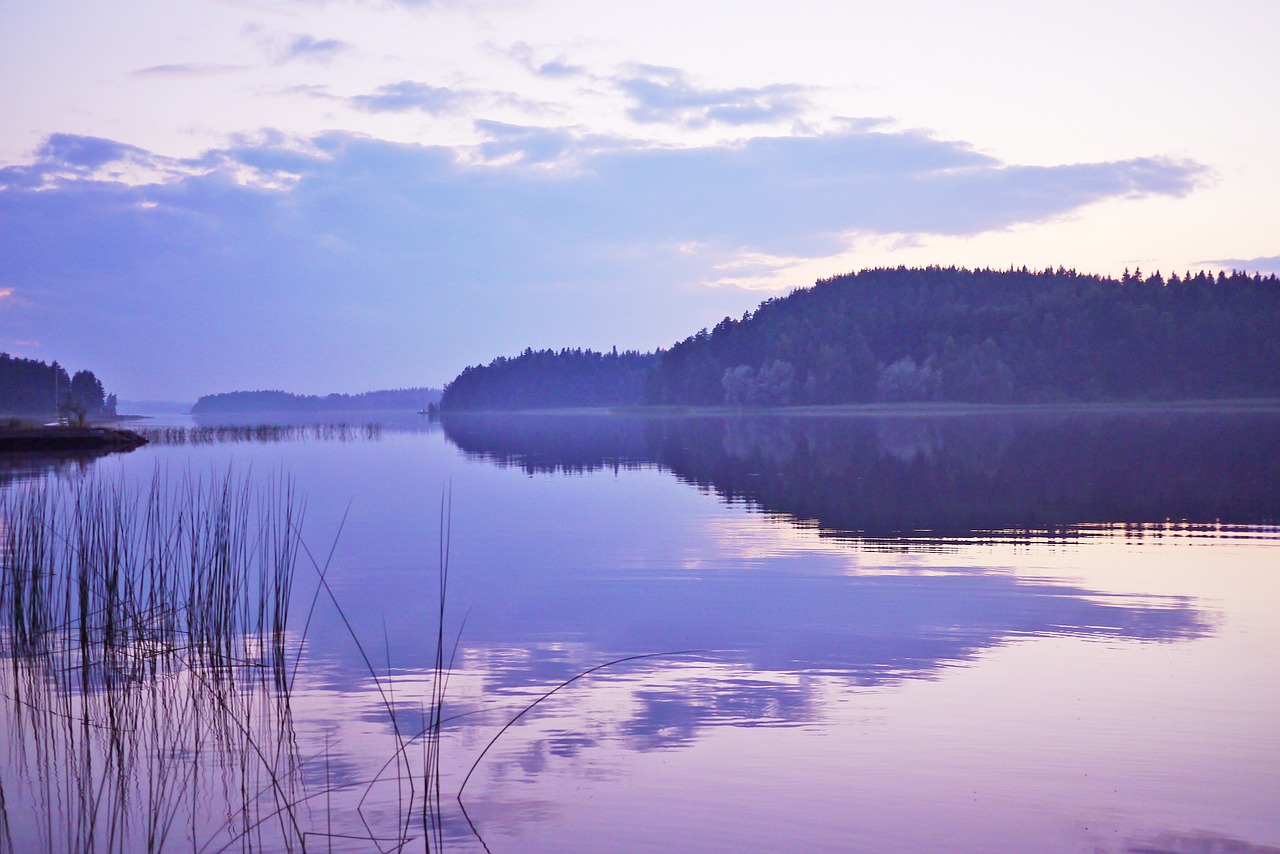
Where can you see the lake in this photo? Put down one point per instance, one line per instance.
(965, 631)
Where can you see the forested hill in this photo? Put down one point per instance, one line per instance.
(32, 387)
(937, 333)
(541, 379)
(986, 335)
(406, 399)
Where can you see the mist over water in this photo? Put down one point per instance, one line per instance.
(978, 632)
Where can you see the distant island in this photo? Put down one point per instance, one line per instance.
(30, 388)
(943, 334)
(400, 399)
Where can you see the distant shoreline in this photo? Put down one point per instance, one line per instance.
(1240, 405)
(239, 402)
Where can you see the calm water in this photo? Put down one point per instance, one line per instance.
(967, 633)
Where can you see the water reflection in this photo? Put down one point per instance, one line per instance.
(16, 468)
(895, 475)
(868, 630)
(959, 699)
(797, 631)
(356, 420)
(1197, 843)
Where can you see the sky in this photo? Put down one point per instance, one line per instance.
(342, 195)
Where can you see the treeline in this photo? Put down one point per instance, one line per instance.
(942, 334)
(985, 335)
(31, 387)
(282, 401)
(541, 379)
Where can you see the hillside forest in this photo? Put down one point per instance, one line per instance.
(932, 334)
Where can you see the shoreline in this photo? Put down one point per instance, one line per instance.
(29, 439)
(926, 408)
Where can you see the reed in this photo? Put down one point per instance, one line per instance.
(148, 667)
(240, 433)
(148, 663)
(144, 637)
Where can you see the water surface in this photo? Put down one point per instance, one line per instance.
(966, 633)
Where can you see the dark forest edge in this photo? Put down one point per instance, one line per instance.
(33, 389)
(408, 399)
(932, 336)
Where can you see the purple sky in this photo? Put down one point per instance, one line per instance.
(345, 195)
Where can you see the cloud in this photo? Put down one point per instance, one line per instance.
(540, 145)
(85, 152)
(386, 5)
(313, 49)
(188, 69)
(337, 260)
(69, 156)
(665, 95)
(409, 95)
(530, 144)
(560, 68)
(1263, 264)
(524, 54)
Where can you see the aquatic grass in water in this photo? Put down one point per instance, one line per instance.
(201, 567)
(238, 433)
(144, 660)
(147, 666)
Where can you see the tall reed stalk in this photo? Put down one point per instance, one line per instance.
(143, 637)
